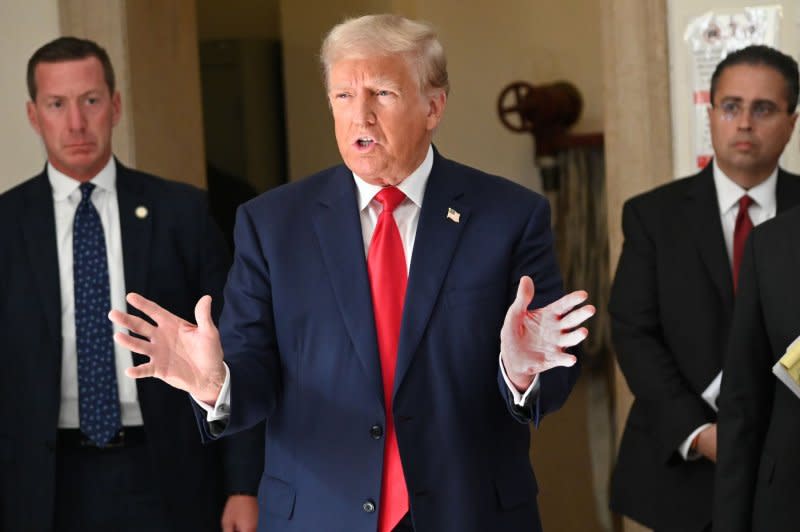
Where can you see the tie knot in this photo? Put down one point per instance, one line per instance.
(390, 197)
(745, 202)
(86, 190)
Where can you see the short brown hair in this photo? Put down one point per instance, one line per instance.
(68, 49)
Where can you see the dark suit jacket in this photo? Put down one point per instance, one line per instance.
(174, 256)
(671, 306)
(758, 467)
(299, 337)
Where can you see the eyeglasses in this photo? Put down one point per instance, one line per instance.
(760, 111)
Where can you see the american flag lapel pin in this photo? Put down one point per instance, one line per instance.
(453, 215)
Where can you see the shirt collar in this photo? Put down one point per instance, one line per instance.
(412, 186)
(63, 185)
(728, 192)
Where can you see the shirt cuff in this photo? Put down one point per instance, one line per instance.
(711, 393)
(685, 449)
(520, 399)
(221, 410)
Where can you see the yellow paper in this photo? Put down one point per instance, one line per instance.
(791, 360)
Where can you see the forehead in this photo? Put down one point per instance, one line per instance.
(65, 77)
(371, 69)
(751, 82)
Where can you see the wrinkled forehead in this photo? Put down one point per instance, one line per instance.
(359, 66)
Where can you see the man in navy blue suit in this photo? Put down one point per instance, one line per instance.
(370, 316)
(147, 469)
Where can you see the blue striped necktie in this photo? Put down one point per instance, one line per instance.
(97, 379)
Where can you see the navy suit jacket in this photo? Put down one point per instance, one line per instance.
(300, 342)
(174, 256)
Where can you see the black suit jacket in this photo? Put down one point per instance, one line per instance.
(174, 256)
(671, 306)
(758, 468)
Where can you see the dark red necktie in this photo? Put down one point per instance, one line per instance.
(740, 233)
(386, 263)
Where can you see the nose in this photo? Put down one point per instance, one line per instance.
(364, 112)
(76, 121)
(744, 119)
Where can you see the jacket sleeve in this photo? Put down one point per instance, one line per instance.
(534, 256)
(243, 452)
(674, 410)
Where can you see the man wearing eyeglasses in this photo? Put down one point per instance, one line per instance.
(673, 295)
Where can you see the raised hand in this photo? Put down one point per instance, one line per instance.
(183, 355)
(533, 341)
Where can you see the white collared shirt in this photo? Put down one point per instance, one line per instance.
(66, 197)
(728, 196)
(406, 214)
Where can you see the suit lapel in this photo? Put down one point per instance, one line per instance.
(435, 243)
(136, 229)
(787, 195)
(337, 225)
(787, 191)
(706, 226)
(42, 249)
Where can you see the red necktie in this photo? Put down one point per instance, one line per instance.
(386, 263)
(740, 233)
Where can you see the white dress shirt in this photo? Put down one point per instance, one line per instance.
(66, 197)
(763, 208)
(406, 215)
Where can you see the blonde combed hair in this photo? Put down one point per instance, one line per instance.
(387, 34)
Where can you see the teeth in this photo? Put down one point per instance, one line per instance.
(364, 141)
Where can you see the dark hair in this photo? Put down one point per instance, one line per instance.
(68, 49)
(760, 55)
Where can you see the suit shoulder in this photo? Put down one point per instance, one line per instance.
(20, 189)
(166, 189)
(298, 193)
(490, 186)
(666, 195)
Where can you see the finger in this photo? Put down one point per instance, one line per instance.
(568, 302)
(133, 323)
(525, 291)
(564, 360)
(575, 317)
(149, 308)
(141, 371)
(131, 343)
(573, 338)
(202, 313)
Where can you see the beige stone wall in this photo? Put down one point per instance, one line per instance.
(24, 26)
(637, 125)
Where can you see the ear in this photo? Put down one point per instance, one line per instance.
(437, 101)
(793, 120)
(33, 117)
(116, 108)
(709, 109)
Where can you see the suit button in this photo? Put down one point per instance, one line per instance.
(368, 506)
(376, 431)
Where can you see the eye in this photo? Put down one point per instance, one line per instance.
(55, 104)
(384, 92)
(730, 108)
(763, 109)
(91, 100)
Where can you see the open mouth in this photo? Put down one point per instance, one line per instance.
(365, 142)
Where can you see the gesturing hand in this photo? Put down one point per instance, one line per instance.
(533, 341)
(183, 355)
